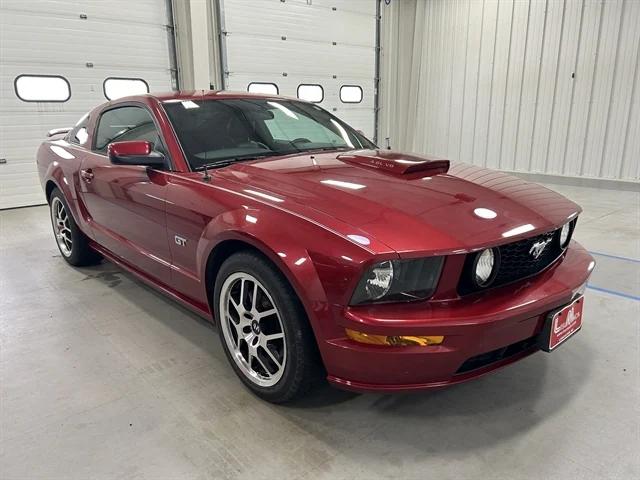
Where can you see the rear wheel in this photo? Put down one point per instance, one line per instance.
(264, 329)
(72, 243)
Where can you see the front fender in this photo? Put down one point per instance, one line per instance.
(318, 263)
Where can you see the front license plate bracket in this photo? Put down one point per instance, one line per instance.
(561, 324)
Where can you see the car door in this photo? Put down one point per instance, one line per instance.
(126, 203)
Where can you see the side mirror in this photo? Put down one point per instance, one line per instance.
(136, 152)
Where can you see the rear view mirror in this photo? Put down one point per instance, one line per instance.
(136, 152)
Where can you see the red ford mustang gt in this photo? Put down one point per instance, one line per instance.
(314, 252)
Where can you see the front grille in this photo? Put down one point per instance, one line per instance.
(515, 261)
(488, 358)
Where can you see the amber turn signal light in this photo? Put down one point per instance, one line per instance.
(396, 340)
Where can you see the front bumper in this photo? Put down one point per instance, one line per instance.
(483, 332)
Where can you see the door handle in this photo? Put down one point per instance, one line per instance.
(86, 175)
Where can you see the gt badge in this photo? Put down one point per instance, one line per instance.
(180, 241)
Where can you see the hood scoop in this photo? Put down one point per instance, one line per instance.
(396, 163)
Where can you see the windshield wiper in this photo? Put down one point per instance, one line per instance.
(224, 162)
(326, 149)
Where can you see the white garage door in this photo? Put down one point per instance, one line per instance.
(57, 49)
(315, 49)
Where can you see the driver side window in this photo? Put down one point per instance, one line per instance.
(124, 124)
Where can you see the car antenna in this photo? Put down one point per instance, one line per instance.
(205, 177)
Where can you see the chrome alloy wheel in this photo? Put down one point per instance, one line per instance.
(252, 329)
(61, 227)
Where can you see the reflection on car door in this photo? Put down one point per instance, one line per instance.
(126, 204)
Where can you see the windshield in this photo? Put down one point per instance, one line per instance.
(217, 132)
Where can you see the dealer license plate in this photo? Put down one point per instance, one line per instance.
(561, 325)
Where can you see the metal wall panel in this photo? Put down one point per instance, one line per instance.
(546, 86)
(118, 38)
(330, 43)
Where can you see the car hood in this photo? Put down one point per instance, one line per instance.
(409, 203)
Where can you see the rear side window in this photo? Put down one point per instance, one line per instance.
(79, 134)
(42, 88)
(266, 88)
(126, 123)
(115, 87)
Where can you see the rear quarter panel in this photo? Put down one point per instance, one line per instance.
(59, 162)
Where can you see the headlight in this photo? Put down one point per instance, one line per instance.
(379, 280)
(398, 280)
(484, 267)
(565, 233)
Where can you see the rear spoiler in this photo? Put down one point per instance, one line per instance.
(58, 131)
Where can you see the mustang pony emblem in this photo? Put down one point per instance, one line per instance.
(538, 247)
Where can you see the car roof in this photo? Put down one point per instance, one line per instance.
(183, 95)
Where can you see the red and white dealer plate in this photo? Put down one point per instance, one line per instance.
(561, 325)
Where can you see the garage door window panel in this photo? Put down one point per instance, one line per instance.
(264, 88)
(42, 88)
(311, 92)
(117, 87)
(126, 124)
(351, 94)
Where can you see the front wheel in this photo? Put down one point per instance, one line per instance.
(72, 243)
(264, 330)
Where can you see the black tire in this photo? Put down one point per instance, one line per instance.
(303, 368)
(80, 254)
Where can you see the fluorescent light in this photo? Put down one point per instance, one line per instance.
(343, 132)
(485, 213)
(359, 239)
(250, 219)
(61, 152)
(338, 183)
(188, 104)
(518, 230)
(264, 195)
(409, 162)
(284, 110)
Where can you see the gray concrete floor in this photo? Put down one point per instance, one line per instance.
(101, 377)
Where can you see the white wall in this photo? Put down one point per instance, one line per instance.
(84, 42)
(197, 44)
(547, 86)
(329, 43)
